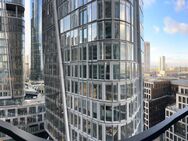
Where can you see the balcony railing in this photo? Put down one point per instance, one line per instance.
(16, 133)
(148, 135)
(154, 132)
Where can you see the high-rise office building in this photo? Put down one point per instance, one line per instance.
(11, 54)
(27, 115)
(146, 57)
(36, 40)
(100, 94)
(162, 63)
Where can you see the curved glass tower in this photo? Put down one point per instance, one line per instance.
(36, 40)
(11, 51)
(101, 51)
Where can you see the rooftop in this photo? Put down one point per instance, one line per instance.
(173, 108)
(152, 80)
(40, 99)
(180, 82)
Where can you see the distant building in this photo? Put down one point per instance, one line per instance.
(36, 41)
(26, 67)
(146, 57)
(179, 131)
(157, 95)
(162, 64)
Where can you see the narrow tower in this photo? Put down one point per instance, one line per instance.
(36, 40)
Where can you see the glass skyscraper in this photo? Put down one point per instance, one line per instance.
(100, 43)
(36, 40)
(11, 51)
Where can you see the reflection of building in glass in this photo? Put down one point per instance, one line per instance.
(36, 40)
(101, 46)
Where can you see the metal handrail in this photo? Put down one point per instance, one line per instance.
(155, 131)
(16, 133)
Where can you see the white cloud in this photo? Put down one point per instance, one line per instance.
(148, 2)
(171, 26)
(180, 4)
(156, 29)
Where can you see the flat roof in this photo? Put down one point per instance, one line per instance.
(156, 80)
(39, 100)
(180, 82)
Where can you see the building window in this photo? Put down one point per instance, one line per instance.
(122, 31)
(100, 10)
(108, 9)
(122, 91)
(94, 10)
(65, 24)
(117, 9)
(94, 109)
(84, 106)
(94, 130)
(116, 30)
(94, 31)
(109, 92)
(108, 113)
(100, 30)
(101, 71)
(108, 30)
(122, 71)
(107, 71)
(116, 113)
(100, 132)
(122, 10)
(83, 16)
(102, 112)
(108, 51)
(116, 71)
(116, 51)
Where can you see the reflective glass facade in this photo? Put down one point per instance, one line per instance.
(36, 40)
(101, 50)
(11, 51)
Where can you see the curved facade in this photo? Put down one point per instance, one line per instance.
(36, 40)
(12, 47)
(101, 50)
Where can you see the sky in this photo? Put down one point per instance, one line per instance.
(27, 28)
(166, 28)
